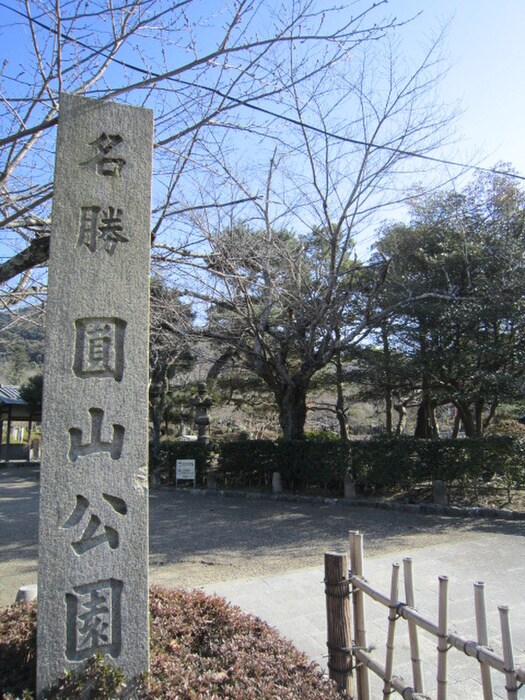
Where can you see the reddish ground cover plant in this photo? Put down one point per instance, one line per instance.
(17, 649)
(202, 648)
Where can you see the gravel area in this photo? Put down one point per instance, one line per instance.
(198, 538)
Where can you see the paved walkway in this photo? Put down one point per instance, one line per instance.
(294, 603)
(202, 541)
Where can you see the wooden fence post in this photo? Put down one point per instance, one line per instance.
(412, 627)
(483, 636)
(509, 668)
(392, 617)
(442, 638)
(339, 623)
(356, 559)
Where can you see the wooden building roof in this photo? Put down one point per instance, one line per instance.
(13, 406)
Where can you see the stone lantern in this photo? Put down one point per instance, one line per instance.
(202, 403)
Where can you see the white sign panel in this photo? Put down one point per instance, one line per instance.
(185, 469)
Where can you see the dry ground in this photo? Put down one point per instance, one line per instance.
(199, 539)
(485, 496)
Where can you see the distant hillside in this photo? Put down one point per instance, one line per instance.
(21, 345)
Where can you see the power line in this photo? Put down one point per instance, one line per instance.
(248, 104)
(357, 142)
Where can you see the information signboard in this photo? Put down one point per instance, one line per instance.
(185, 470)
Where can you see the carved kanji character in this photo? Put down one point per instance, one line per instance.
(93, 619)
(104, 163)
(96, 444)
(99, 347)
(101, 228)
(110, 229)
(95, 533)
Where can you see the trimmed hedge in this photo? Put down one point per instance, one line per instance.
(379, 462)
(202, 453)
(302, 465)
(406, 461)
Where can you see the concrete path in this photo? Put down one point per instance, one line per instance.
(294, 604)
(266, 557)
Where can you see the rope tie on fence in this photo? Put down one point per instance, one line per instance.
(346, 664)
(440, 635)
(334, 647)
(513, 689)
(479, 649)
(351, 576)
(336, 590)
(412, 694)
(355, 647)
(353, 666)
(346, 669)
(398, 607)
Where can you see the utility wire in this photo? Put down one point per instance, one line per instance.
(247, 103)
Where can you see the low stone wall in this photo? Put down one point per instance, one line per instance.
(423, 508)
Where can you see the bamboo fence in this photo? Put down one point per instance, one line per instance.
(348, 650)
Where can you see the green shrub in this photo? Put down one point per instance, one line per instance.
(388, 461)
(322, 435)
(314, 464)
(381, 462)
(248, 464)
(201, 647)
(384, 461)
(202, 453)
(303, 465)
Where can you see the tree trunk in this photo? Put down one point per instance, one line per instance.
(388, 381)
(492, 412)
(468, 419)
(426, 423)
(157, 401)
(340, 402)
(156, 420)
(422, 419)
(402, 417)
(423, 429)
(478, 409)
(457, 425)
(291, 401)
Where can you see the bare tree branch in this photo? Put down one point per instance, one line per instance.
(232, 62)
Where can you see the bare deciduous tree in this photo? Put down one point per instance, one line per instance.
(311, 95)
(217, 77)
(289, 303)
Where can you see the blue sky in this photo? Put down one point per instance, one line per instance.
(485, 49)
(485, 55)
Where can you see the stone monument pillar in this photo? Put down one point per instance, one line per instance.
(93, 536)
